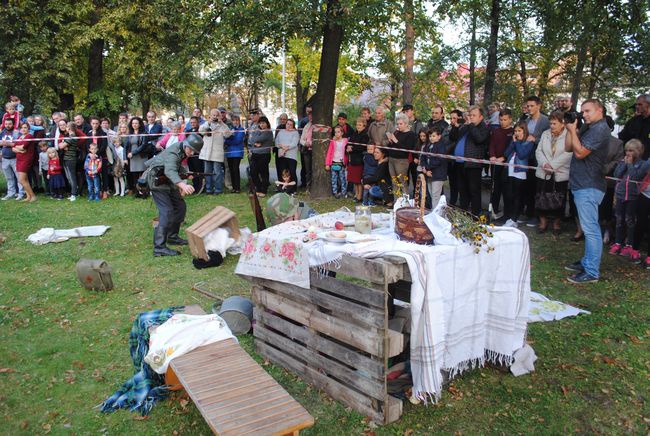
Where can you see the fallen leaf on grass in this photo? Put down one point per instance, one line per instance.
(24, 425)
(6, 370)
(634, 339)
(47, 428)
(408, 432)
(609, 360)
(183, 402)
(565, 391)
(140, 418)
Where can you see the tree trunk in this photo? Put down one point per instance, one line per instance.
(523, 75)
(324, 99)
(472, 62)
(491, 68)
(407, 89)
(96, 66)
(577, 79)
(146, 105)
(593, 76)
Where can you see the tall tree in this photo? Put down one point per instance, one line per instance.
(324, 100)
(491, 67)
(409, 51)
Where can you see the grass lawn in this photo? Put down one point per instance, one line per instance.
(64, 349)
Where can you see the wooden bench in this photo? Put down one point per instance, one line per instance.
(233, 393)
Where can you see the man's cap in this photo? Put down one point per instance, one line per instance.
(254, 111)
(194, 141)
(407, 107)
(280, 207)
(343, 115)
(222, 109)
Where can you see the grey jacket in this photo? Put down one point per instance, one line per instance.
(168, 162)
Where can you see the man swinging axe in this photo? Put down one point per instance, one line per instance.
(168, 196)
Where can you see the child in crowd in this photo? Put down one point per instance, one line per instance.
(380, 184)
(55, 178)
(119, 172)
(631, 171)
(92, 169)
(336, 161)
(369, 170)
(11, 113)
(43, 161)
(517, 153)
(434, 168)
(287, 185)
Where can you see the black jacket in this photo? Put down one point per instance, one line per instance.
(638, 128)
(356, 156)
(476, 143)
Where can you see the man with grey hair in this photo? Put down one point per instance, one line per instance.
(379, 128)
(638, 127)
(212, 154)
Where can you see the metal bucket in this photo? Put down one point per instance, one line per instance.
(237, 312)
(94, 274)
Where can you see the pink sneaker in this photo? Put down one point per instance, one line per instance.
(625, 252)
(635, 256)
(615, 248)
(646, 263)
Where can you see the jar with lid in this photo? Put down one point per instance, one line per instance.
(363, 220)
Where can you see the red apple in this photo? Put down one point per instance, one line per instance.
(339, 225)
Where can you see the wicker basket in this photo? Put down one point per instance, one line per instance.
(409, 221)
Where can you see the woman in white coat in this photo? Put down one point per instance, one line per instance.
(553, 171)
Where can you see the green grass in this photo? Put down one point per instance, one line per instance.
(66, 349)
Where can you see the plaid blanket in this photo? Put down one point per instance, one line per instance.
(146, 387)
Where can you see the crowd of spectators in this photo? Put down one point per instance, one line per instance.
(541, 168)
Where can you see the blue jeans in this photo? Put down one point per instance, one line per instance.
(587, 202)
(214, 182)
(93, 187)
(339, 176)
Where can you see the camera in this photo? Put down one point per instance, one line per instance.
(571, 116)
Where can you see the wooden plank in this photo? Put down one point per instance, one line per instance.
(368, 340)
(336, 390)
(219, 399)
(365, 269)
(271, 394)
(352, 357)
(283, 422)
(395, 343)
(340, 308)
(369, 296)
(321, 363)
(224, 380)
(400, 262)
(393, 410)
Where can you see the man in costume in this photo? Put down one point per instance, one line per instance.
(164, 177)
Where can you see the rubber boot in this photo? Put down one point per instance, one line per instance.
(159, 241)
(172, 235)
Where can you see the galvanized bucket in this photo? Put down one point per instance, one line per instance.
(94, 274)
(237, 312)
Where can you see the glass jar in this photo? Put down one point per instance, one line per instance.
(363, 220)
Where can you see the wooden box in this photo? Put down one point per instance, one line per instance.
(336, 334)
(218, 217)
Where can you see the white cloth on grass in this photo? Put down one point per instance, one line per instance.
(181, 334)
(48, 234)
(542, 309)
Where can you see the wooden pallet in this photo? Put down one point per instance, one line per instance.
(234, 394)
(336, 334)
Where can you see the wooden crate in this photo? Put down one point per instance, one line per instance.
(335, 335)
(217, 217)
